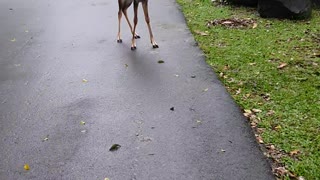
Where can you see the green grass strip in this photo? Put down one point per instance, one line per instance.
(273, 67)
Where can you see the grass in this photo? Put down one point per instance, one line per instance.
(248, 61)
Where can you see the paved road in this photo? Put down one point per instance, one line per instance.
(60, 65)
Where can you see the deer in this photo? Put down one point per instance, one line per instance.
(123, 6)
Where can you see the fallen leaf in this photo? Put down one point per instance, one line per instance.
(222, 150)
(13, 40)
(278, 127)
(266, 96)
(272, 147)
(26, 31)
(84, 131)
(238, 91)
(294, 152)
(26, 167)
(201, 33)
(160, 61)
(247, 114)
(282, 171)
(282, 65)
(198, 121)
(256, 110)
(82, 122)
(126, 65)
(46, 138)
(106, 179)
(259, 139)
(226, 67)
(114, 147)
(270, 113)
(252, 64)
(84, 80)
(193, 76)
(205, 90)
(255, 25)
(227, 22)
(221, 74)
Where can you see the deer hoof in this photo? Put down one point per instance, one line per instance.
(133, 48)
(155, 46)
(137, 37)
(119, 41)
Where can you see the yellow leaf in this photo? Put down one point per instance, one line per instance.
(106, 179)
(26, 167)
(205, 90)
(82, 122)
(13, 40)
(84, 80)
(278, 127)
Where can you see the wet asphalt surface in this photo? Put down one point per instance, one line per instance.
(60, 65)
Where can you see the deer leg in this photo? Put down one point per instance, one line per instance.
(130, 26)
(135, 21)
(147, 18)
(119, 40)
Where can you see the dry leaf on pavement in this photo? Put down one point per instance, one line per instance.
(26, 167)
(205, 90)
(114, 147)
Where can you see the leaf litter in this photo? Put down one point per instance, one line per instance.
(234, 23)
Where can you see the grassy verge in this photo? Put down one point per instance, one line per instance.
(273, 72)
